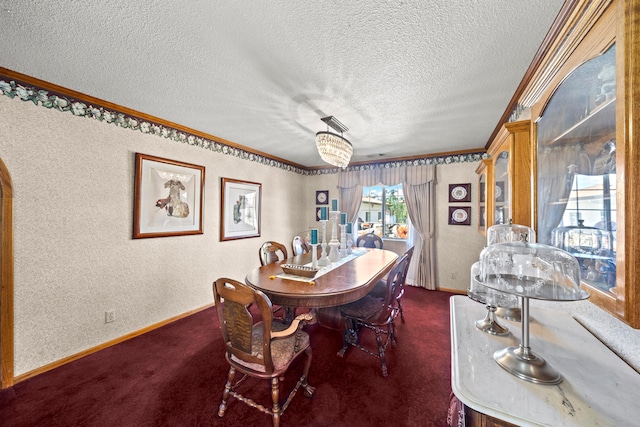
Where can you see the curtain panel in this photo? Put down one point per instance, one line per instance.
(419, 193)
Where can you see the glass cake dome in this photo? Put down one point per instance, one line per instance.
(492, 299)
(531, 270)
(483, 294)
(504, 233)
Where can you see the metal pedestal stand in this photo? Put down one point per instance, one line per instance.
(490, 324)
(524, 363)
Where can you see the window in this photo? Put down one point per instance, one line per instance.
(588, 228)
(383, 212)
(593, 201)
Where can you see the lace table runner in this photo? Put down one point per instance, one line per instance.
(324, 270)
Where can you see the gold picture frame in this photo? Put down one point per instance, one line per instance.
(240, 207)
(168, 197)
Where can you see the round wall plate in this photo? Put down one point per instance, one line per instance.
(322, 197)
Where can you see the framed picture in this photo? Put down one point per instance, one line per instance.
(322, 197)
(168, 197)
(459, 215)
(459, 193)
(240, 209)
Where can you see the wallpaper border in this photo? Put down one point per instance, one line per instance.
(49, 99)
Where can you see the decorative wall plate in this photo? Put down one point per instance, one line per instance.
(460, 215)
(322, 197)
(459, 193)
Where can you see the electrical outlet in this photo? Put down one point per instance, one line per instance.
(453, 275)
(109, 316)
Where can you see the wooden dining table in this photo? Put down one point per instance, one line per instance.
(341, 285)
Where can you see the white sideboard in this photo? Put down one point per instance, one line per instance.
(598, 388)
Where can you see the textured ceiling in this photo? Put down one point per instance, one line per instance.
(406, 77)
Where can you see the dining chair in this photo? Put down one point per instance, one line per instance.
(369, 240)
(268, 252)
(375, 314)
(379, 289)
(299, 245)
(258, 346)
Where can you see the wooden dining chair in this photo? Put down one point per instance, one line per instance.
(299, 245)
(271, 252)
(369, 240)
(375, 314)
(379, 289)
(258, 346)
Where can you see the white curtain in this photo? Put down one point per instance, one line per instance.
(418, 188)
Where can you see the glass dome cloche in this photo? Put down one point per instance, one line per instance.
(492, 299)
(505, 233)
(531, 270)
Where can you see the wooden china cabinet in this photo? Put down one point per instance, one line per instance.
(570, 170)
(586, 158)
(510, 180)
(485, 175)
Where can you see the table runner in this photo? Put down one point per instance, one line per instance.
(324, 270)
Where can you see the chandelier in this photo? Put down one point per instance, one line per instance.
(333, 148)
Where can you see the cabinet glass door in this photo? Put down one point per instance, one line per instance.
(576, 173)
(502, 213)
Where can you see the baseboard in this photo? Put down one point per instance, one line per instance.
(454, 291)
(102, 346)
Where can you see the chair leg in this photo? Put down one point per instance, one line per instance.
(349, 336)
(225, 394)
(308, 389)
(401, 312)
(275, 395)
(392, 334)
(385, 372)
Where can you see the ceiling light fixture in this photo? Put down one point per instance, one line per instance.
(333, 148)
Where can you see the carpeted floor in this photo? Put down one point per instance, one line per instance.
(174, 376)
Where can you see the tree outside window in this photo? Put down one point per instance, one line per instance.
(383, 212)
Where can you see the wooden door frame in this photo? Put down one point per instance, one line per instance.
(6, 277)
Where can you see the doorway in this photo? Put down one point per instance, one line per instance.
(6, 278)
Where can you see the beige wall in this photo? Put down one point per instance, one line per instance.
(73, 182)
(73, 213)
(457, 246)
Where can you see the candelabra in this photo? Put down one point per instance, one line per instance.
(349, 243)
(343, 240)
(324, 259)
(334, 243)
(314, 255)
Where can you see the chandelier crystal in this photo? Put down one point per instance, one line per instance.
(333, 148)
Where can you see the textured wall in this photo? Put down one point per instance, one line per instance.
(458, 246)
(73, 213)
(75, 259)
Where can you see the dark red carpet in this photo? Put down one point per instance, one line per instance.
(174, 375)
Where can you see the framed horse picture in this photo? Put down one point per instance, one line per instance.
(168, 197)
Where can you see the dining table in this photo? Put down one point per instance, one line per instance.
(341, 282)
